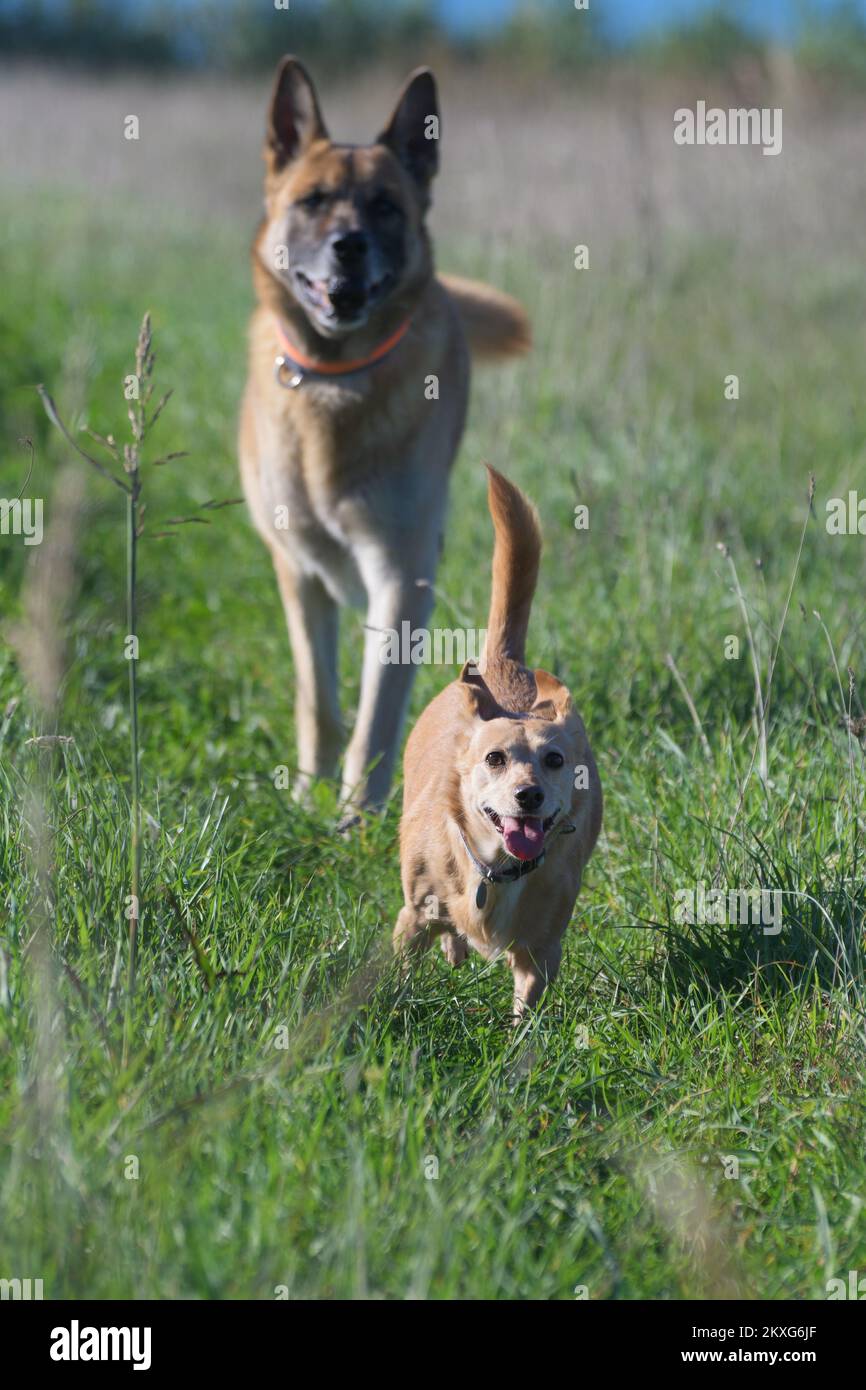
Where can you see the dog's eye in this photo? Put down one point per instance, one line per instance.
(553, 759)
(312, 201)
(495, 759)
(383, 206)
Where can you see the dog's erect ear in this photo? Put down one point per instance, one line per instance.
(552, 693)
(413, 130)
(480, 704)
(294, 118)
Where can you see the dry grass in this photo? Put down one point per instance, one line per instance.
(521, 162)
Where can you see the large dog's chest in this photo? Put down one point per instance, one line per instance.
(308, 503)
(312, 532)
(335, 484)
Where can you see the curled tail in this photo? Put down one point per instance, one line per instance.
(495, 324)
(516, 554)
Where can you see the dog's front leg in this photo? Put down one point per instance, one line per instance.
(311, 617)
(386, 681)
(413, 934)
(533, 972)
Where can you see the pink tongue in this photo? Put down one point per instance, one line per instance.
(524, 838)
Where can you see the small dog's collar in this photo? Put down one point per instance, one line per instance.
(514, 871)
(291, 363)
(509, 875)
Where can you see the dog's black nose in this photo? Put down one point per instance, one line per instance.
(349, 247)
(529, 798)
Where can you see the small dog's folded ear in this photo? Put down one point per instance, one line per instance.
(480, 703)
(413, 130)
(294, 118)
(552, 692)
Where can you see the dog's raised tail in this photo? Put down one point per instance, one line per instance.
(494, 323)
(516, 555)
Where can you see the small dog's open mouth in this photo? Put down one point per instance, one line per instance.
(523, 835)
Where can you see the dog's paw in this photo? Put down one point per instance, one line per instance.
(455, 948)
(349, 824)
(302, 792)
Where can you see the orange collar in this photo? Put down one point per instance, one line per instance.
(292, 358)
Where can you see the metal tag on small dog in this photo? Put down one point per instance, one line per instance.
(481, 894)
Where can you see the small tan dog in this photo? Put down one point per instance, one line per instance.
(502, 800)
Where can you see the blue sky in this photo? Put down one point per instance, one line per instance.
(624, 18)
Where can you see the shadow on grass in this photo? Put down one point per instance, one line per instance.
(808, 934)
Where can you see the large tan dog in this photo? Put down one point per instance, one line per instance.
(355, 404)
(502, 800)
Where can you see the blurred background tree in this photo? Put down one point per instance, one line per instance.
(826, 37)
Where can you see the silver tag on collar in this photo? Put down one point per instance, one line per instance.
(281, 365)
(481, 894)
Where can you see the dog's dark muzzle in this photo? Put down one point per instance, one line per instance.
(348, 296)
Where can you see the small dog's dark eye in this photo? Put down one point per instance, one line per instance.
(553, 759)
(312, 201)
(495, 759)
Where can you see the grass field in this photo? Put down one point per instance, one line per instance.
(292, 1115)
